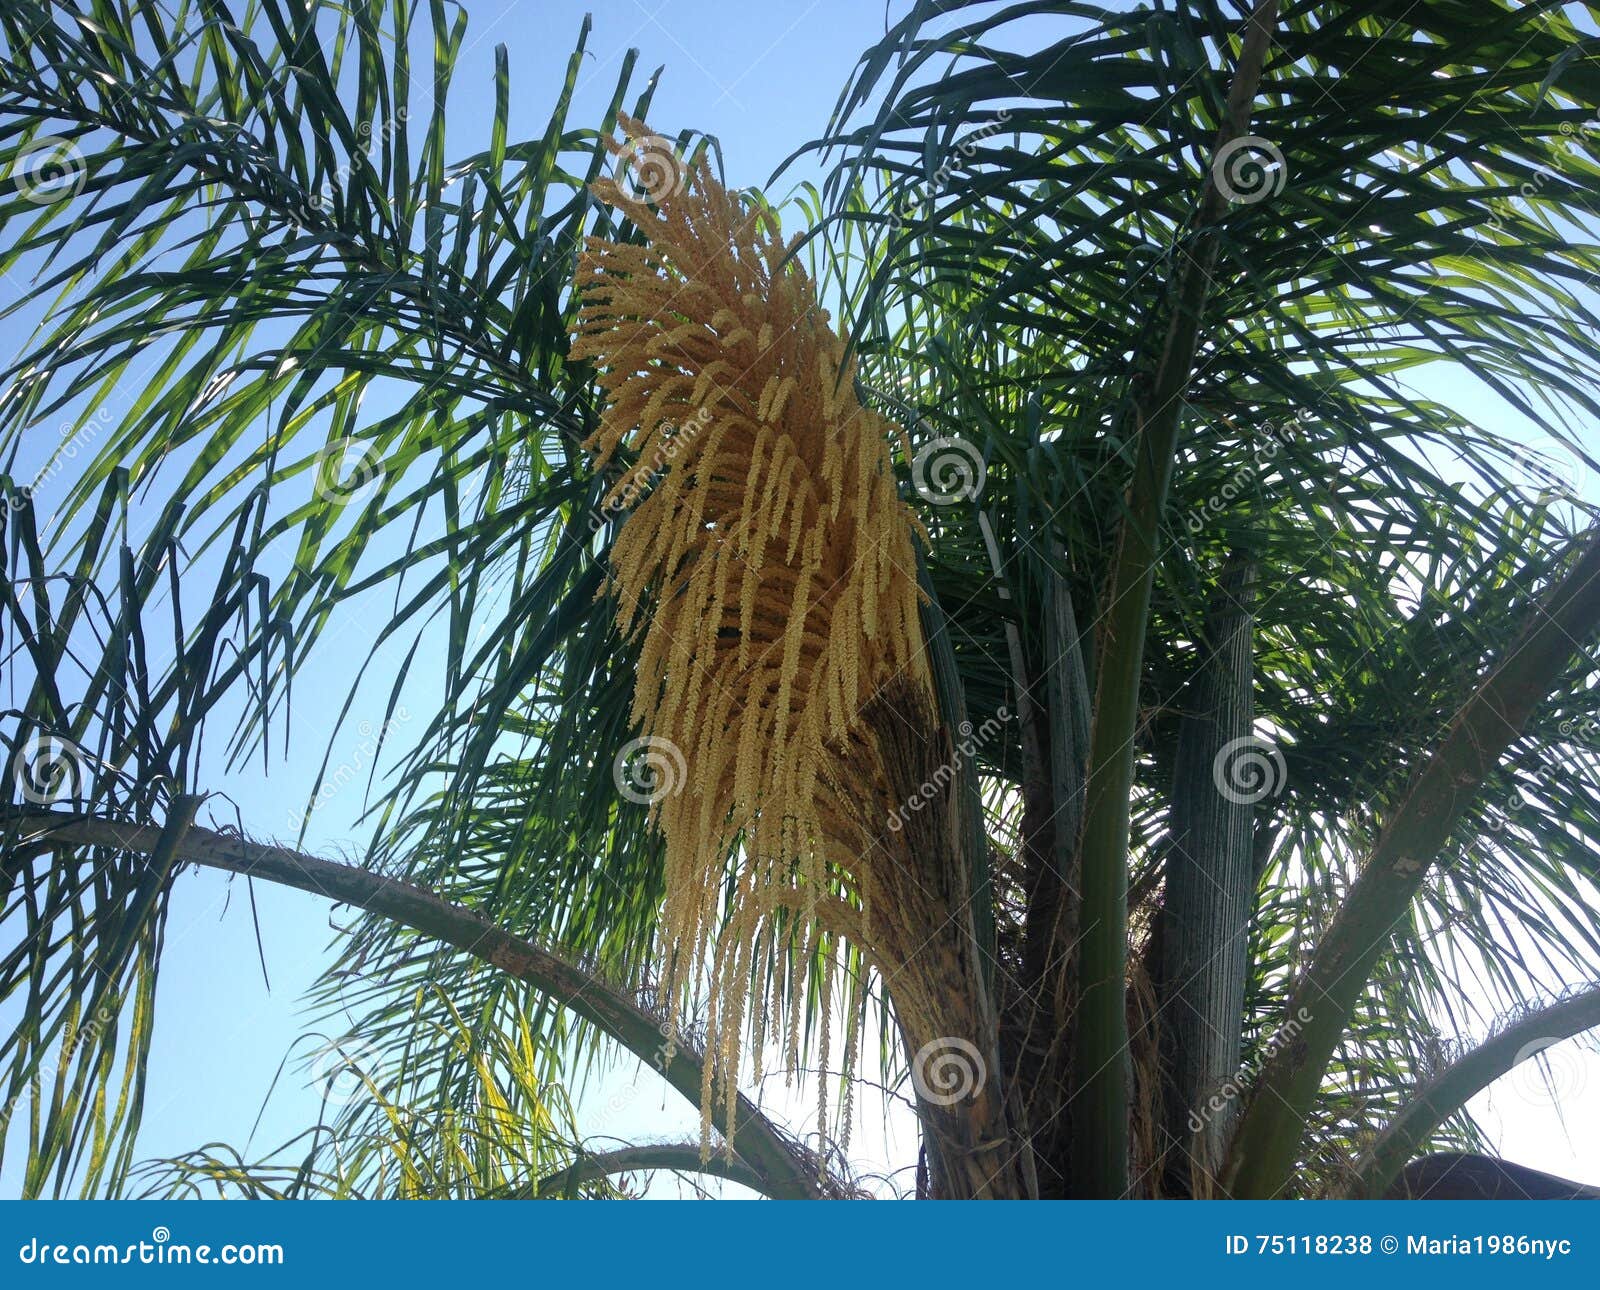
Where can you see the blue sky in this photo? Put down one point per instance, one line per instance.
(763, 79)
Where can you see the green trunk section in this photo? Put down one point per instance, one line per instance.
(974, 842)
(1100, 1041)
(1209, 884)
(1052, 915)
(1041, 1017)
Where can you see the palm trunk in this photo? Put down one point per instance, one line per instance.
(1100, 1035)
(974, 1151)
(1209, 881)
(1060, 735)
(1040, 1020)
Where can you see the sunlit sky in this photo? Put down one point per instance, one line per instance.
(762, 78)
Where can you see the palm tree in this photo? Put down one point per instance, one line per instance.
(1096, 672)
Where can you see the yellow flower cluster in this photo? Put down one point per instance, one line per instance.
(769, 574)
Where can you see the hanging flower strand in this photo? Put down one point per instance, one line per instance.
(769, 575)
